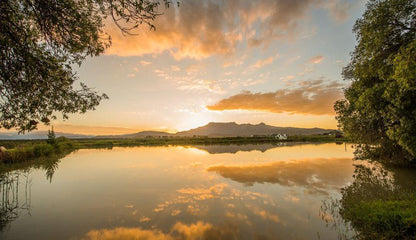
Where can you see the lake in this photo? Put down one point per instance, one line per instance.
(195, 192)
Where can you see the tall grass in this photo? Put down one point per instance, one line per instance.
(39, 150)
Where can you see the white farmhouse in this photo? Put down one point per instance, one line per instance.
(281, 136)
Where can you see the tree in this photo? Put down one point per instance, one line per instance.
(40, 42)
(379, 109)
(51, 137)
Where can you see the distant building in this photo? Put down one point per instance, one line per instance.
(280, 136)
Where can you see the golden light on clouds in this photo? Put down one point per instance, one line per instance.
(261, 63)
(312, 97)
(199, 29)
(248, 56)
(316, 59)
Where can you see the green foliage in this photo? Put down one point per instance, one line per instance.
(379, 109)
(379, 207)
(51, 137)
(318, 138)
(40, 42)
(21, 151)
(43, 150)
(29, 152)
(381, 219)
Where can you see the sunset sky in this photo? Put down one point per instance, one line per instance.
(272, 61)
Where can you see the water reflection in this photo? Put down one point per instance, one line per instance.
(180, 231)
(316, 175)
(234, 148)
(10, 206)
(379, 204)
(184, 193)
(15, 188)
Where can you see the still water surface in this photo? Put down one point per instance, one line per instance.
(195, 192)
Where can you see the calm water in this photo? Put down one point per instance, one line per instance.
(199, 192)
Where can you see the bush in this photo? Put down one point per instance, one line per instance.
(42, 150)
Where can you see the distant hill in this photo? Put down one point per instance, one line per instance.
(233, 129)
(229, 129)
(213, 129)
(139, 135)
(38, 135)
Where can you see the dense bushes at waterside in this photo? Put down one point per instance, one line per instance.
(384, 219)
(379, 207)
(38, 150)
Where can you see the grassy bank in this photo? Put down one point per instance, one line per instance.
(97, 143)
(27, 150)
(377, 205)
(383, 218)
(24, 150)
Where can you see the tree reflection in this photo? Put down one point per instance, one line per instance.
(15, 188)
(10, 186)
(379, 204)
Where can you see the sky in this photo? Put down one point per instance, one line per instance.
(247, 61)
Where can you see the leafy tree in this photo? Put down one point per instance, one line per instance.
(40, 42)
(51, 136)
(379, 109)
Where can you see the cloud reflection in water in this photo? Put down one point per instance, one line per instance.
(179, 231)
(317, 175)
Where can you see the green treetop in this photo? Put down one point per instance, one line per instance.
(40, 41)
(379, 109)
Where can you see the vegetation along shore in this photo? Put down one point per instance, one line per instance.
(24, 150)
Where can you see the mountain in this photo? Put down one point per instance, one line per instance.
(139, 135)
(38, 135)
(212, 129)
(230, 129)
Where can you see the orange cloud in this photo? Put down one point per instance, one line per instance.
(194, 30)
(261, 63)
(312, 97)
(199, 29)
(316, 59)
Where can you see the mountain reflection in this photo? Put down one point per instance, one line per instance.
(179, 231)
(234, 148)
(316, 175)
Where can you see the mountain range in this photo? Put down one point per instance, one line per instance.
(231, 129)
(212, 129)
(228, 129)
